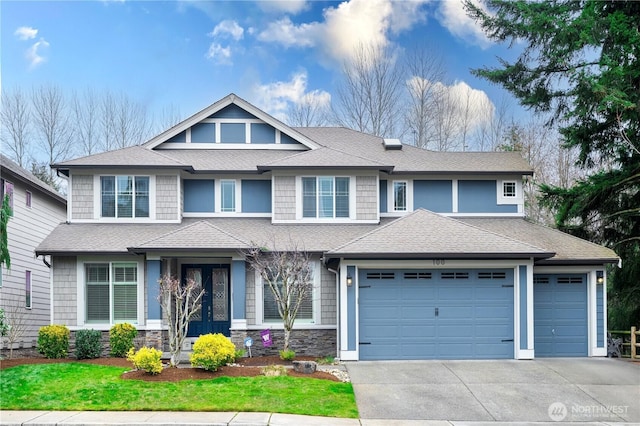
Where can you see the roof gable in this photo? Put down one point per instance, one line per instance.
(426, 234)
(222, 121)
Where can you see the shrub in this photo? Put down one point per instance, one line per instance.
(211, 351)
(121, 339)
(147, 359)
(53, 341)
(327, 360)
(240, 353)
(287, 355)
(88, 344)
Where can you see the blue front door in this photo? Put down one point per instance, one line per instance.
(214, 315)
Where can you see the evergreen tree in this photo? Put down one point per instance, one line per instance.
(581, 66)
(5, 214)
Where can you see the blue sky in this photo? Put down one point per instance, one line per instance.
(189, 54)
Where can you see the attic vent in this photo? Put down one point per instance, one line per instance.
(380, 275)
(492, 275)
(569, 280)
(455, 276)
(417, 275)
(392, 144)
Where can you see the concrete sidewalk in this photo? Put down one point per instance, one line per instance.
(166, 418)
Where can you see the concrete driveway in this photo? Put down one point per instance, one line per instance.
(543, 390)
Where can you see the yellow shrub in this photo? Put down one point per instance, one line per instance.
(147, 359)
(53, 341)
(211, 351)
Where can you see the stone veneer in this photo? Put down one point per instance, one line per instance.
(149, 338)
(305, 342)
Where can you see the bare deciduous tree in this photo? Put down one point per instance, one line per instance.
(86, 108)
(15, 118)
(180, 302)
(124, 122)
(289, 274)
(51, 119)
(311, 111)
(369, 95)
(16, 318)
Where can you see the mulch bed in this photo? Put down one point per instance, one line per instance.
(246, 367)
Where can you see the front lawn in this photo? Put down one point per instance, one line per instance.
(75, 386)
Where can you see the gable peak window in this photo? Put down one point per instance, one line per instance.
(325, 197)
(124, 196)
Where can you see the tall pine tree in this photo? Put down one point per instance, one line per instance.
(581, 65)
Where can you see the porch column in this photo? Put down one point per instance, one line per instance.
(154, 311)
(238, 290)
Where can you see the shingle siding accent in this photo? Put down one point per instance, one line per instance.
(284, 202)
(328, 298)
(250, 296)
(65, 289)
(82, 197)
(166, 197)
(366, 198)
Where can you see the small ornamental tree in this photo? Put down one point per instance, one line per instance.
(180, 302)
(290, 278)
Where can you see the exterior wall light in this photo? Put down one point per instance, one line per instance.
(349, 281)
(600, 277)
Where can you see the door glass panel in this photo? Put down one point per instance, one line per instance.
(196, 275)
(220, 295)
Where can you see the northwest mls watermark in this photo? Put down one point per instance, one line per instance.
(558, 411)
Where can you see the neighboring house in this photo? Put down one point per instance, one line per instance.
(417, 254)
(25, 287)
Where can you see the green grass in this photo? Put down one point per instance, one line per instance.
(75, 386)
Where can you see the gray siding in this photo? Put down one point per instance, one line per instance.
(25, 231)
(328, 298)
(65, 290)
(166, 197)
(366, 198)
(81, 197)
(284, 198)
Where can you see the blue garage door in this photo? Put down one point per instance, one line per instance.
(560, 315)
(435, 314)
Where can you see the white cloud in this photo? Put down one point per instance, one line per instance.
(350, 24)
(453, 17)
(26, 33)
(275, 98)
(283, 6)
(218, 54)
(228, 28)
(35, 54)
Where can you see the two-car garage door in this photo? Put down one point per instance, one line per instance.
(436, 314)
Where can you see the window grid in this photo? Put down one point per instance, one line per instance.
(400, 196)
(111, 292)
(228, 195)
(509, 189)
(124, 196)
(325, 197)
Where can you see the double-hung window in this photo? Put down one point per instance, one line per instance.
(111, 292)
(325, 197)
(270, 306)
(124, 196)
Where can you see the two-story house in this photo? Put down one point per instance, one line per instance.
(416, 254)
(24, 288)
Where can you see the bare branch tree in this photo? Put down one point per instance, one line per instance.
(15, 118)
(16, 317)
(51, 119)
(369, 95)
(179, 302)
(123, 122)
(311, 111)
(289, 275)
(86, 110)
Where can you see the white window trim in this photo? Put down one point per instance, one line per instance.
(317, 295)
(501, 199)
(217, 202)
(390, 197)
(316, 219)
(81, 291)
(97, 200)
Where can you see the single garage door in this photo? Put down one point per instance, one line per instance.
(435, 314)
(560, 315)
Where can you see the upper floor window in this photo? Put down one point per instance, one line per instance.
(325, 197)
(124, 196)
(509, 189)
(400, 196)
(228, 196)
(7, 189)
(28, 198)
